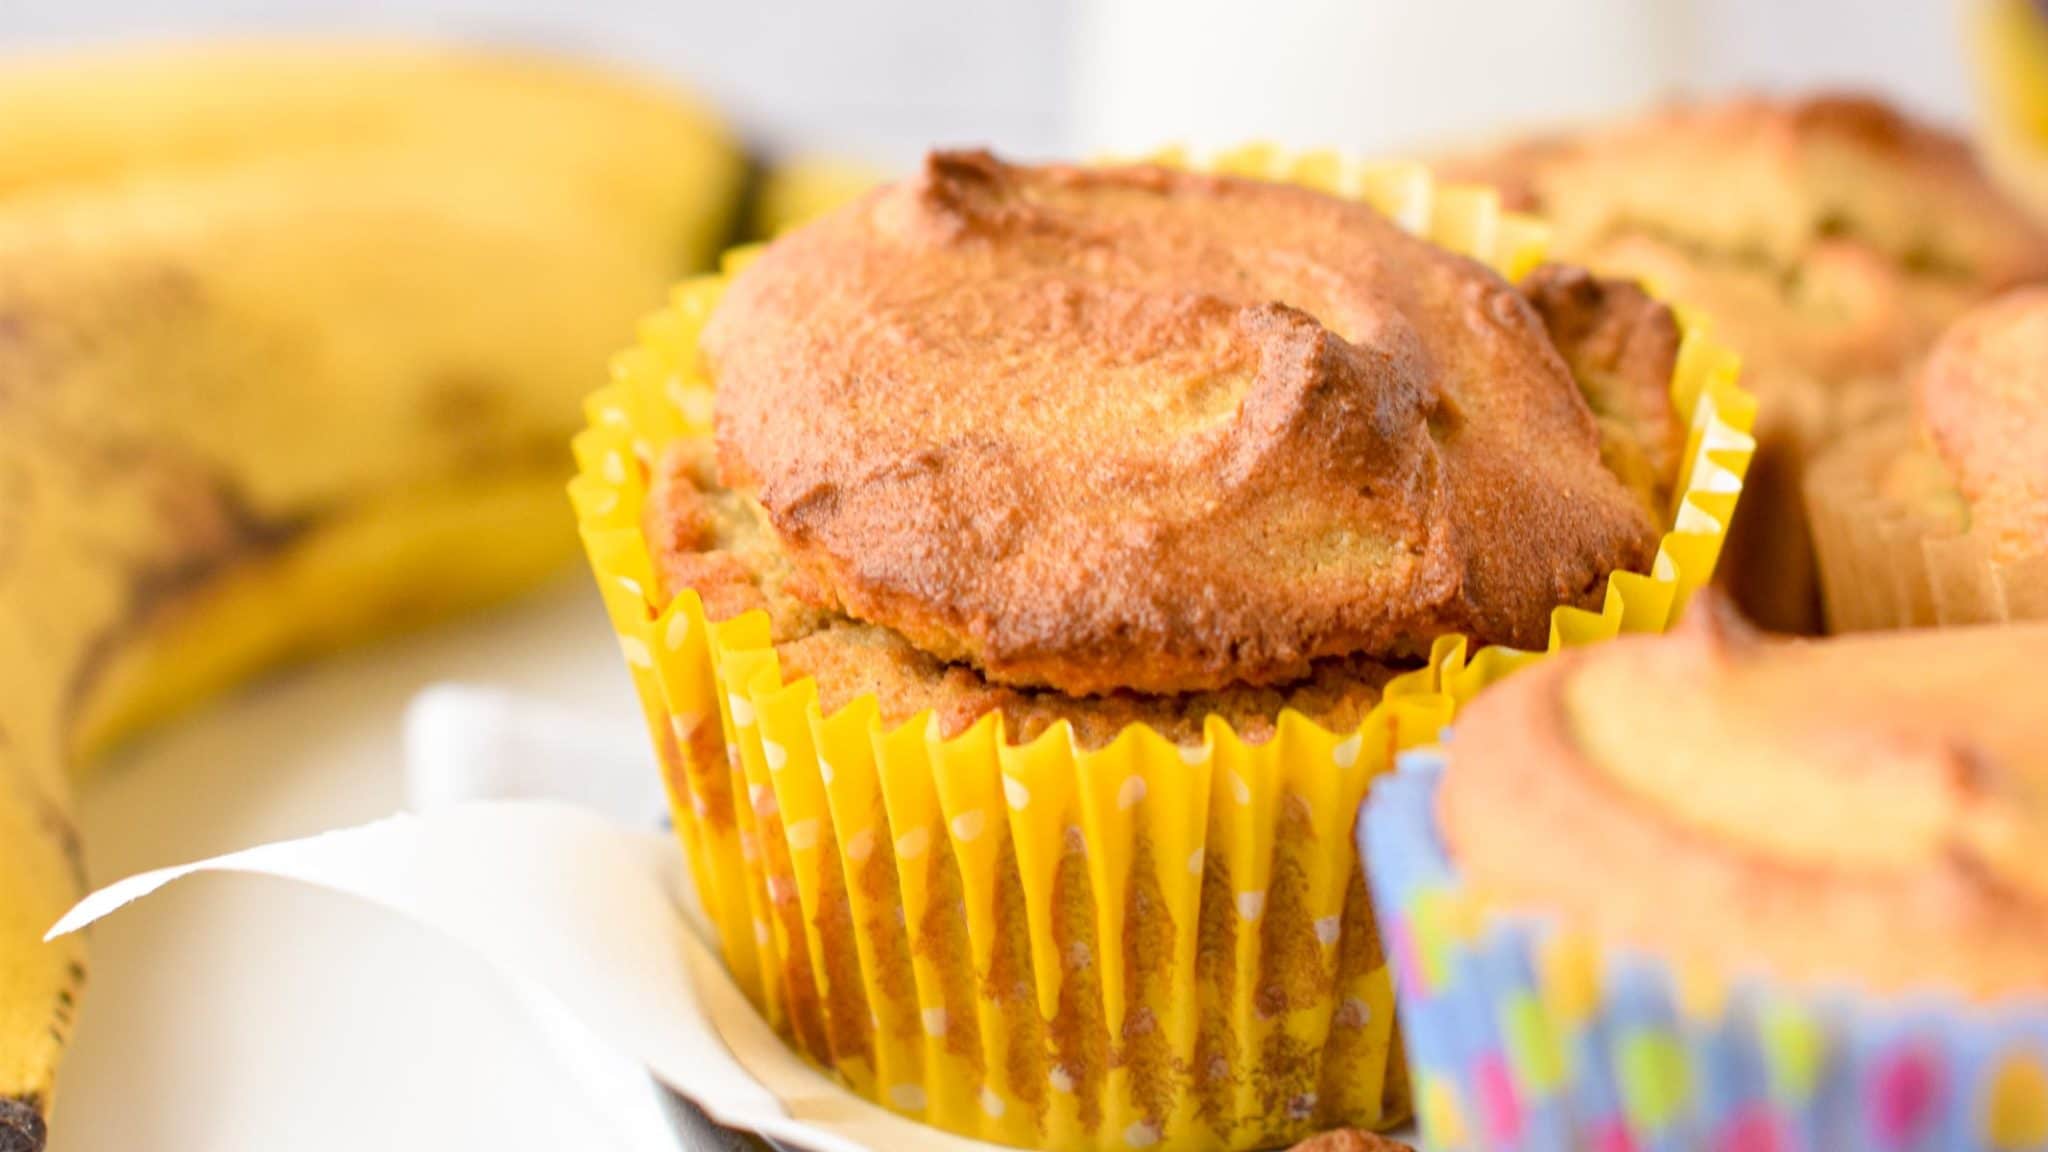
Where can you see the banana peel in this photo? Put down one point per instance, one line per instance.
(291, 337)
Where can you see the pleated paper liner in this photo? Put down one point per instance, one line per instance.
(1527, 1035)
(1887, 564)
(1135, 945)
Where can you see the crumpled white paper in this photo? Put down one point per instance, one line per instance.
(590, 915)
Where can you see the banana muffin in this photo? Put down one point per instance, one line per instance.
(1826, 861)
(1025, 570)
(1940, 515)
(1831, 238)
(1872, 810)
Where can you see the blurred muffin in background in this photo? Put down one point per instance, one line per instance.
(1832, 238)
(1939, 515)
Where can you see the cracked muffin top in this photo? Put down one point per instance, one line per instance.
(1102, 429)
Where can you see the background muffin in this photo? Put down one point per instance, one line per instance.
(1805, 903)
(1020, 643)
(1831, 237)
(1940, 515)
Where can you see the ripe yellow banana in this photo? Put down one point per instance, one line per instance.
(2009, 43)
(804, 188)
(291, 341)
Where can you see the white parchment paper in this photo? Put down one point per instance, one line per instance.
(592, 916)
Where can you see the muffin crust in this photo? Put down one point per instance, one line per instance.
(1036, 420)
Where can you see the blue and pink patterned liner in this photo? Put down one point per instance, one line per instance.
(1523, 1035)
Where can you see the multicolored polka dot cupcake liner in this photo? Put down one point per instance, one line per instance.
(1045, 945)
(1523, 1037)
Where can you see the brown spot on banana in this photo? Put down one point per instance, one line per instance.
(226, 532)
(58, 823)
(21, 1124)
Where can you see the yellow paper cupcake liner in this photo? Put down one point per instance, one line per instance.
(1886, 564)
(1042, 945)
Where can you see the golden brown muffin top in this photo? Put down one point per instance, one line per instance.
(1776, 180)
(1144, 429)
(1983, 400)
(1869, 810)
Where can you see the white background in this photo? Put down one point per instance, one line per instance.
(885, 78)
(228, 1015)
